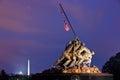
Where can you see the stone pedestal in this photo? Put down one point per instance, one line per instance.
(75, 76)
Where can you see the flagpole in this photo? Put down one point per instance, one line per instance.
(67, 20)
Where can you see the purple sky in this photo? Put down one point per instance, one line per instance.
(34, 29)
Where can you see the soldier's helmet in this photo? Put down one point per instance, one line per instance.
(82, 44)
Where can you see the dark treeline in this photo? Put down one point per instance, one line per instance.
(3, 75)
(112, 66)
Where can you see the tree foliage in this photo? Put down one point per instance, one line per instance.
(3, 75)
(112, 66)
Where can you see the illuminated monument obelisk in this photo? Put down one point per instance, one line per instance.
(28, 67)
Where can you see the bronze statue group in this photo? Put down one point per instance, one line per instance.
(76, 54)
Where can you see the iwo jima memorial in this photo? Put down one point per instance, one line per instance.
(75, 61)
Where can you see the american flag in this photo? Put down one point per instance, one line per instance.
(66, 26)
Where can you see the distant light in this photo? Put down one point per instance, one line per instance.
(20, 73)
(75, 77)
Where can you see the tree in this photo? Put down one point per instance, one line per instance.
(113, 66)
(3, 75)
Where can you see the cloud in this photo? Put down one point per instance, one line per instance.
(19, 44)
(11, 25)
(90, 15)
(88, 20)
(11, 49)
(17, 18)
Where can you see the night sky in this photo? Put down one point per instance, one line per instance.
(34, 29)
